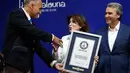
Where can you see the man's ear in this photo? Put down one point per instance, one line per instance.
(31, 5)
(118, 16)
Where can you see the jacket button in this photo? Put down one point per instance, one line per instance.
(33, 40)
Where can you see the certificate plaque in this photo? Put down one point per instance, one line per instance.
(82, 49)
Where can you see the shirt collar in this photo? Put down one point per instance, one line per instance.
(68, 38)
(28, 16)
(116, 28)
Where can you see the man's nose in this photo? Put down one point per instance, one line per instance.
(106, 15)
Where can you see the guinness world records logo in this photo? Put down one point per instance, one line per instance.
(83, 45)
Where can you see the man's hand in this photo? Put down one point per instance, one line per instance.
(55, 47)
(63, 71)
(57, 42)
(59, 66)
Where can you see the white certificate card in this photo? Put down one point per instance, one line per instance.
(82, 52)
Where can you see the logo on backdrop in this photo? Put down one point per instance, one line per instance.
(48, 6)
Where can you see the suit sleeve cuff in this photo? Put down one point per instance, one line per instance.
(52, 37)
(53, 63)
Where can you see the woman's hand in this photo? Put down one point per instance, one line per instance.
(96, 58)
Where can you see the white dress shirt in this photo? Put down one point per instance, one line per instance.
(112, 35)
(27, 15)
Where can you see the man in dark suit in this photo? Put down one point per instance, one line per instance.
(114, 50)
(22, 39)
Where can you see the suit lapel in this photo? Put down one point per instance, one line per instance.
(118, 37)
(105, 35)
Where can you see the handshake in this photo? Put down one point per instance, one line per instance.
(56, 42)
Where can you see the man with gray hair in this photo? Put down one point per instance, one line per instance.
(114, 51)
(22, 39)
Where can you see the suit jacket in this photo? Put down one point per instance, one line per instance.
(22, 39)
(116, 61)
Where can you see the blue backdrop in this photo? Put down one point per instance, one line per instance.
(54, 19)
